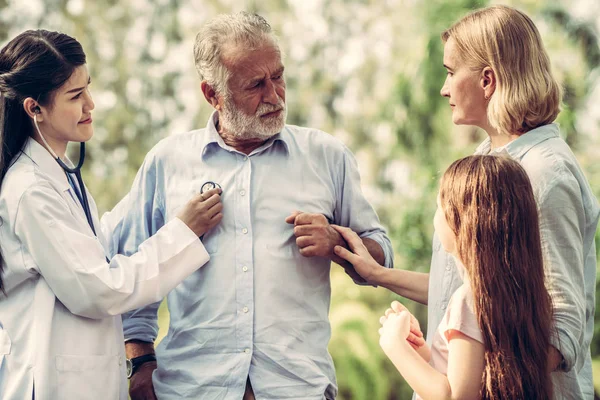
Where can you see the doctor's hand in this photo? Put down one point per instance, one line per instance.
(203, 211)
(140, 384)
(358, 255)
(314, 235)
(415, 335)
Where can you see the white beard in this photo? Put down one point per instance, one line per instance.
(242, 126)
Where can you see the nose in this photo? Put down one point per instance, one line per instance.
(270, 93)
(89, 104)
(445, 91)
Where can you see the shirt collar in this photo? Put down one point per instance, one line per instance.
(520, 146)
(211, 139)
(47, 164)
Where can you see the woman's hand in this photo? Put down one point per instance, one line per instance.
(203, 212)
(358, 255)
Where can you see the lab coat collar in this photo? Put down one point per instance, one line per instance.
(48, 165)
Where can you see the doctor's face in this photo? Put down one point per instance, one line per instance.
(69, 117)
(255, 107)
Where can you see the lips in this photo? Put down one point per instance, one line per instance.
(271, 114)
(86, 121)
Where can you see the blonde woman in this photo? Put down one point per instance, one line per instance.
(500, 79)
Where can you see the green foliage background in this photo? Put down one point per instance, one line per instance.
(367, 71)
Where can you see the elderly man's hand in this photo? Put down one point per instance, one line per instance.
(314, 236)
(140, 385)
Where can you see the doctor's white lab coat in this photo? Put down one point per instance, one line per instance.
(60, 324)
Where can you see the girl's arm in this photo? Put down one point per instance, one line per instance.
(465, 362)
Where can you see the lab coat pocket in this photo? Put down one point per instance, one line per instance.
(5, 345)
(88, 377)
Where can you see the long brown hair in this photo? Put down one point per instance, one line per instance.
(489, 204)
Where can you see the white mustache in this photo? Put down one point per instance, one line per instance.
(266, 108)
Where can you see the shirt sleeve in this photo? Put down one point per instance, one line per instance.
(133, 220)
(561, 221)
(72, 260)
(460, 316)
(354, 211)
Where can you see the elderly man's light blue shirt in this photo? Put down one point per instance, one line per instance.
(569, 215)
(258, 309)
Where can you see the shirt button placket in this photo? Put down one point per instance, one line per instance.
(244, 261)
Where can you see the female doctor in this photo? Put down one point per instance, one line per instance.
(60, 329)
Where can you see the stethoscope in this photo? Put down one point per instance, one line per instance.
(81, 194)
(209, 186)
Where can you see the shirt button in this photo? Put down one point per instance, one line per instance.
(447, 268)
(247, 351)
(444, 306)
(120, 361)
(245, 309)
(244, 231)
(245, 269)
(245, 158)
(242, 192)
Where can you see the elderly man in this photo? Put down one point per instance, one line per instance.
(253, 322)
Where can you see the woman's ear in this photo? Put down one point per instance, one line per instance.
(33, 109)
(488, 82)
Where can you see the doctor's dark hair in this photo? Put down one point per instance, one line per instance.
(34, 64)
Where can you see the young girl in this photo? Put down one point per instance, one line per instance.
(494, 339)
(60, 329)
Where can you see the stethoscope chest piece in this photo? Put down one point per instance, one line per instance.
(209, 186)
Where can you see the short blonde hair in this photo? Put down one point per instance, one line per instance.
(527, 95)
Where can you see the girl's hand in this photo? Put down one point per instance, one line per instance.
(415, 337)
(394, 331)
(358, 255)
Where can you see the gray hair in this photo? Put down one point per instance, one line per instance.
(243, 28)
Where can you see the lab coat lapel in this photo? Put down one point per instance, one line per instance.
(57, 178)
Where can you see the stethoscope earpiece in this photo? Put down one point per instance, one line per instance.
(76, 171)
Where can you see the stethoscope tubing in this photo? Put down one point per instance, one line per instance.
(75, 171)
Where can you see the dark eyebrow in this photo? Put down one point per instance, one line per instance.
(447, 67)
(79, 88)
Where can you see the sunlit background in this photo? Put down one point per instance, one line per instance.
(367, 71)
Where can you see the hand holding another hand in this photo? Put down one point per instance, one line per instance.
(399, 324)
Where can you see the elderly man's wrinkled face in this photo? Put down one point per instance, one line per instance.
(255, 107)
